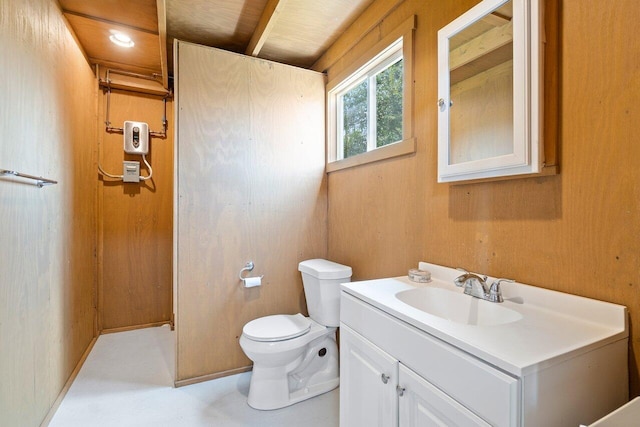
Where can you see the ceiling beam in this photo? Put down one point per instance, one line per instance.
(367, 21)
(162, 36)
(495, 19)
(264, 27)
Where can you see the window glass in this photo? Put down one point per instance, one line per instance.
(389, 90)
(355, 106)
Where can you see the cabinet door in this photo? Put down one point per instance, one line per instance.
(368, 379)
(421, 404)
(490, 90)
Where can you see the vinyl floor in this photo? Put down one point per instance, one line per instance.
(127, 380)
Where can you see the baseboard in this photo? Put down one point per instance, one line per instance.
(195, 380)
(67, 385)
(134, 327)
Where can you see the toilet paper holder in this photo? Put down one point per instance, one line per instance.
(248, 267)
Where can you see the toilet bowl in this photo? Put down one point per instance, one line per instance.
(296, 357)
(289, 370)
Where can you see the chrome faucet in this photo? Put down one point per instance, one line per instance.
(476, 286)
(473, 284)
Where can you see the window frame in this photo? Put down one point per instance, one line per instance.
(372, 62)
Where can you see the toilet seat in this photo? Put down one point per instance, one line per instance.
(278, 327)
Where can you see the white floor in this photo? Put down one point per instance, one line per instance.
(127, 380)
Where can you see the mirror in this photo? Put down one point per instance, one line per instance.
(488, 83)
(481, 88)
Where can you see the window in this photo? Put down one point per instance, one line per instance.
(369, 109)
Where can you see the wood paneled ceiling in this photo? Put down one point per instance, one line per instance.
(295, 32)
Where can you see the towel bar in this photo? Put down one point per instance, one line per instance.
(39, 181)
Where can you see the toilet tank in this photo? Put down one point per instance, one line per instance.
(321, 280)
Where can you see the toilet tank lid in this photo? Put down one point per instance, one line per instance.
(324, 269)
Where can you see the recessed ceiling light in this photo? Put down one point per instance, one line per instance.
(121, 39)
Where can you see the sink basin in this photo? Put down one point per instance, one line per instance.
(458, 307)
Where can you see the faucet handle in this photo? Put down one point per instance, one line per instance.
(497, 282)
(495, 293)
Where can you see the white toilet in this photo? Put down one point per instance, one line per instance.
(296, 357)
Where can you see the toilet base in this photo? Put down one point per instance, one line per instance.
(314, 390)
(273, 402)
(308, 376)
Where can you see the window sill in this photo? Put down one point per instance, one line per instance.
(408, 146)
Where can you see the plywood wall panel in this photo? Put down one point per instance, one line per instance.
(47, 236)
(136, 220)
(576, 232)
(251, 186)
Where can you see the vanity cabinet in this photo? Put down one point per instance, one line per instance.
(378, 390)
(426, 378)
(490, 92)
(542, 370)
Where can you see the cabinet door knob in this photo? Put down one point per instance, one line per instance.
(400, 390)
(442, 104)
(384, 378)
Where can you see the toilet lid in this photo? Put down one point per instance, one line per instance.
(278, 327)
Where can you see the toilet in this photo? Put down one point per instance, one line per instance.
(296, 357)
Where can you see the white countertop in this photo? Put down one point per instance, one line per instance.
(554, 327)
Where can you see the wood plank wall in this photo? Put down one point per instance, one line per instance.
(47, 236)
(576, 232)
(135, 220)
(250, 186)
